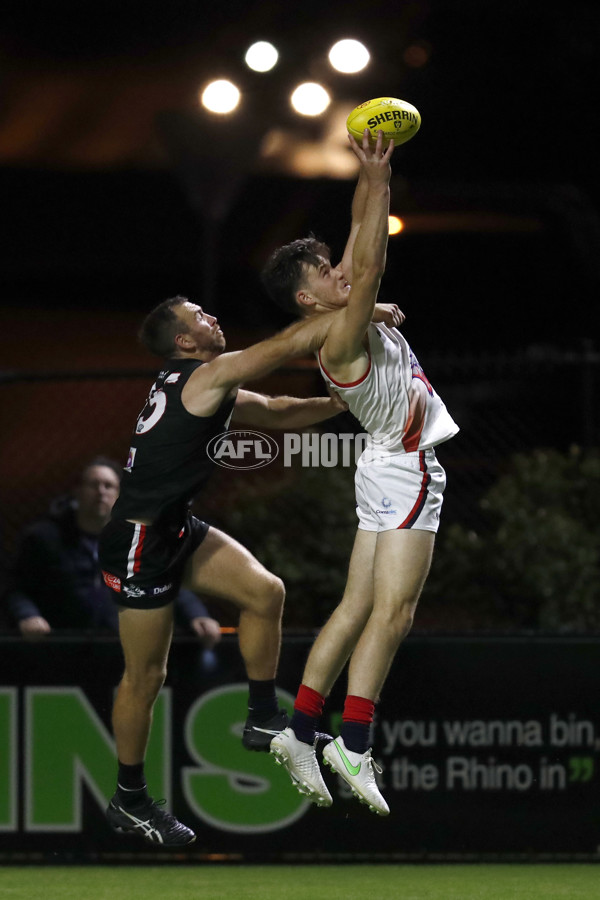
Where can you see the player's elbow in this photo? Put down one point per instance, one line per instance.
(368, 276)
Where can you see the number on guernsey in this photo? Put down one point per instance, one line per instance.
(155, 406)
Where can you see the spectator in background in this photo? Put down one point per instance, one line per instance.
(56, 582)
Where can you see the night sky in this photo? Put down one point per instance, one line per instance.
(116, 193)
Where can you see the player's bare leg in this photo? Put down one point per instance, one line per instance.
(295, 747)
(338, 637)
(225, 569)
(401, 565)
(145, 638)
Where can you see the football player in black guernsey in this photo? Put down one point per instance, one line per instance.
(153, 545)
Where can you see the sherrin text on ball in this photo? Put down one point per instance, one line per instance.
(398, 119)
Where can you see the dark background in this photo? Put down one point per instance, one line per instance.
(117, 191)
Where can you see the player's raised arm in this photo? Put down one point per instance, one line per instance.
(344, 340)
(359, 202)
(209, 384)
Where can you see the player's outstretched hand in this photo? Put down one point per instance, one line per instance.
(373, 157)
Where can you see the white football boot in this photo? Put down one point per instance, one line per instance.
(300, 760)
(358, 770)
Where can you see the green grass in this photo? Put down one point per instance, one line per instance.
(324, 882)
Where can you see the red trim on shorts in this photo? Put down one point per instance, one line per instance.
(350, 383)
(137, 556)
(134, 564)
(418, 507)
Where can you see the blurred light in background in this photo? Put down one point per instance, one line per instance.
(395, 225)
(310, 99)
(261, 56)
(220, 96)
(349, 56)
(417, 55)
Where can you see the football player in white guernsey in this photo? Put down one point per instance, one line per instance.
(399, 482)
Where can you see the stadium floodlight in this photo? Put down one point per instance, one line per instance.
(261, 56)
(310, 99)
(220, 96)
(349, 56)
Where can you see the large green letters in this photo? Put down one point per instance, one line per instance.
(66, 745)
(230, 788)
(8, 759)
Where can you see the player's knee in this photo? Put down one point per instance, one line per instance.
(398, 619)
(406, 622)
(270, 597)
(263, 597)
(275, 595)
(145, 683)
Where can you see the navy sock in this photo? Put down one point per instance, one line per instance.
(356, 736)
(262, 700)
(131, 785)
(304, 726)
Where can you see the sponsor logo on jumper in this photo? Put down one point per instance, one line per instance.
(161, 589)
(417, 372)
(112, 581)
(131, 590)
(131, 459)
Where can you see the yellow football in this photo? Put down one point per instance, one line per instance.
(398, 119)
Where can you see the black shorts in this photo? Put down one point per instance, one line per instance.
(143, 564)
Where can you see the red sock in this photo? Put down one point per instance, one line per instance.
(356, 723)
(309, 702)
(358, 709)
(307, 711)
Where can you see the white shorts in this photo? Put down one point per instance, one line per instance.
(403, 490)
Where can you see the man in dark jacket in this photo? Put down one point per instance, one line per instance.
(56, 582)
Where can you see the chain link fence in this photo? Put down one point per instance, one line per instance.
(52, 424)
